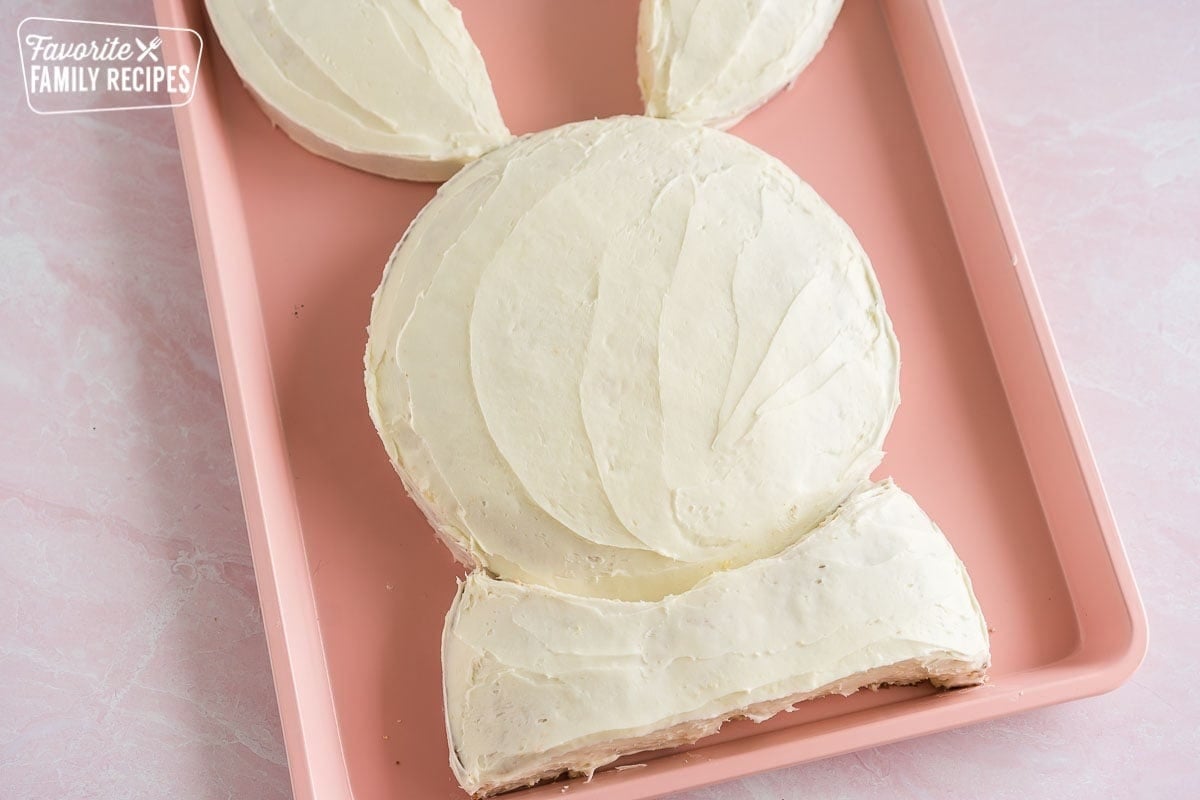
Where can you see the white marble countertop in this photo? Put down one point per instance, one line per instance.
(132, 660)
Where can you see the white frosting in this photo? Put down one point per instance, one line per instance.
(395, 87)
(538, 682)
(616, 356)
(715, 61)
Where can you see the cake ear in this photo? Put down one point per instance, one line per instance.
(394, 88)
(402, 91)
(713, 62)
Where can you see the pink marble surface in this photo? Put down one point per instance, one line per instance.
(132, 660)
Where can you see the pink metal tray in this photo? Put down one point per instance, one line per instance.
(353, 584)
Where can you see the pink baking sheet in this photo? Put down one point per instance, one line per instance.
(353, 584)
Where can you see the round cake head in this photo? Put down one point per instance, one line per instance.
(617, 356)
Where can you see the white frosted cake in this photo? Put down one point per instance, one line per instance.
(616, 356)
(539, 682)
(395, 87)
(637, 375)
(713, 62)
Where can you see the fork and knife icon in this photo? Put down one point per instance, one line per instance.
(148, 50)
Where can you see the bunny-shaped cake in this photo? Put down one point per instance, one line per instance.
(637, 374)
